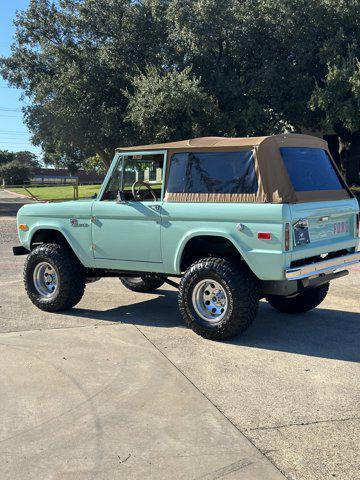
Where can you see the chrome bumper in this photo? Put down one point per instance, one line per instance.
(324, 267)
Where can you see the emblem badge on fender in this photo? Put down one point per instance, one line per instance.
(74, 222)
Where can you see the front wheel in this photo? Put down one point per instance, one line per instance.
(302, 303)
(144, 284)
(54, 279)
(217, 299)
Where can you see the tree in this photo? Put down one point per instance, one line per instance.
(75, 60)
(15, 173)
(24, 157)
(6, 157)
(171, 104)
(270, 65)
(27, 158)
(339, 98)
(104, 73)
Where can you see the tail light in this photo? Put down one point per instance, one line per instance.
(287, 236)
(357, 225)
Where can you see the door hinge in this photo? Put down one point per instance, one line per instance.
(93, 218)
(93, 246)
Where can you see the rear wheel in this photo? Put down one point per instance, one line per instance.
(54, 278)
(143, 284)
(217, 299)
(302, 303)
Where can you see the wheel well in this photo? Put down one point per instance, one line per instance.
(208, 245)
(48, 236)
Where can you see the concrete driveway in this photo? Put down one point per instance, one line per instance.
(117, 388)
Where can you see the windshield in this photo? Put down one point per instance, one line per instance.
(310, 169)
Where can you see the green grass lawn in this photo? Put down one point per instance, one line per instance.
(63, 192)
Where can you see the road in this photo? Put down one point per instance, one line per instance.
(117, 388)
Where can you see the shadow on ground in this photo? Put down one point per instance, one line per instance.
(332, 334)
(10, 208)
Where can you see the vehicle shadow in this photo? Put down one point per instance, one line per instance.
(160, 311)
(332, 334)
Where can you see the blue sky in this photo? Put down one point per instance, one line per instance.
(14, 135)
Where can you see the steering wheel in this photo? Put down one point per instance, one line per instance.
(136, 189)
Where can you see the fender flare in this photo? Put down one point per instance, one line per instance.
(79, 253)
(206, 233)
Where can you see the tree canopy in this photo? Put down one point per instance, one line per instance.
(23, 157)
(103, 73)
(15, 173)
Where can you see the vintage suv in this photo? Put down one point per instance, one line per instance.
(237, 219)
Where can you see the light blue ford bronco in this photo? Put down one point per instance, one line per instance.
(235, 219)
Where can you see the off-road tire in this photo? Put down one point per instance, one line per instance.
(239, 284)
(70, 274)
(302, 303)
(143, 284)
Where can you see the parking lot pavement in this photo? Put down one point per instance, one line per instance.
(119, 375)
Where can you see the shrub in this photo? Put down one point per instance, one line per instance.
(15, 173)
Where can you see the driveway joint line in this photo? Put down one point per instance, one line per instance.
(302, 424)
(63, 328)
(209, 400)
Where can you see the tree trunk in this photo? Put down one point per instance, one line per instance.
(349, 149)
(105, 158)
(334, 147)
(350, 156)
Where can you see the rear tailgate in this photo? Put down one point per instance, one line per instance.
(331, 227)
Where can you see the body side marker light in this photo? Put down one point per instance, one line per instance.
(264, 235)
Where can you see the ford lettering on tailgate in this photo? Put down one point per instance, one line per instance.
(341, 227)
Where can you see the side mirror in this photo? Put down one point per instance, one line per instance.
(94, 196)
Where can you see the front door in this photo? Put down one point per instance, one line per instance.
(127, 215)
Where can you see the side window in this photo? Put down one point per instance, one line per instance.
(310, 169)
(212, 172)
(147, 169)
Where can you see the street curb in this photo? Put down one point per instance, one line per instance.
(18, 194)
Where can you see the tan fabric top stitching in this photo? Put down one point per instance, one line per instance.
(224, 142)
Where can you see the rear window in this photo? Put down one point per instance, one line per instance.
(310, 169)
(212, 172)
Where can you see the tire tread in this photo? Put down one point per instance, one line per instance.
(72, 278)
(245, 292)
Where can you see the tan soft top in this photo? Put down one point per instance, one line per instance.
(229, 142)
(274, 185)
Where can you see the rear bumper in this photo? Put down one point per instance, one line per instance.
(324, 267)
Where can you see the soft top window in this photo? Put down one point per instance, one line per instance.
(310, 169)
(212, 172)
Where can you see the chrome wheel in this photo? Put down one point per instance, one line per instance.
(45, 279)
(210, 300)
